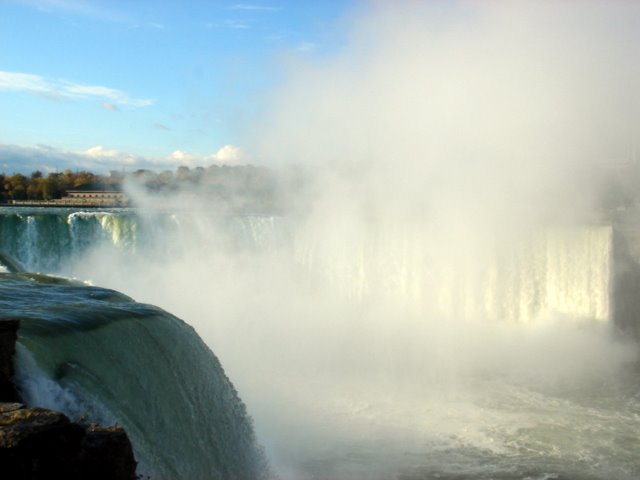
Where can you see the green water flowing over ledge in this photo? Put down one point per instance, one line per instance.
(99, 356)
(47, 240)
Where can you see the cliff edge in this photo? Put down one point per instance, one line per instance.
(36, 443)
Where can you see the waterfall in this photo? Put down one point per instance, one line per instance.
(553, 272)
(101, 357)
(49, 240)
(357, 345)
(43, 240)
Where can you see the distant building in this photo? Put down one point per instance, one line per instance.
(92, 196)
(96, 198)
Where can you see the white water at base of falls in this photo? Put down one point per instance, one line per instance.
(554, 272)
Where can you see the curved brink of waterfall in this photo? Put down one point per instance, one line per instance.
(99, 356)
(49, 241)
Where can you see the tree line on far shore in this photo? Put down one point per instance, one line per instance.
(247, 187)
(220, 182)
(38, 187)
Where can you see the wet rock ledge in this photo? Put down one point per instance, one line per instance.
(36, 443)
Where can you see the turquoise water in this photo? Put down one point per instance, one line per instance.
(102, 357)
(53, 239)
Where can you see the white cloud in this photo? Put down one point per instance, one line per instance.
(49, 159)
(117, 96)
(65, 89)
(99, 159)
(99, 152)
(229, 154)
(103, 156)
(23, 81)
(181, 156)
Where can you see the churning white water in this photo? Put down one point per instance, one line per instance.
(375, 356)
(555, 271)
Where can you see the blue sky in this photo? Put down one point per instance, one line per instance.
(138, 82)
(106, 84)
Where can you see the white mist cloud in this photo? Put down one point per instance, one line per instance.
(465, 109)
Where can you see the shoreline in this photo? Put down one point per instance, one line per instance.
(56, 204)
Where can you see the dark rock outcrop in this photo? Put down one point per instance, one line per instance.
(36, 443)
(8, 337)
